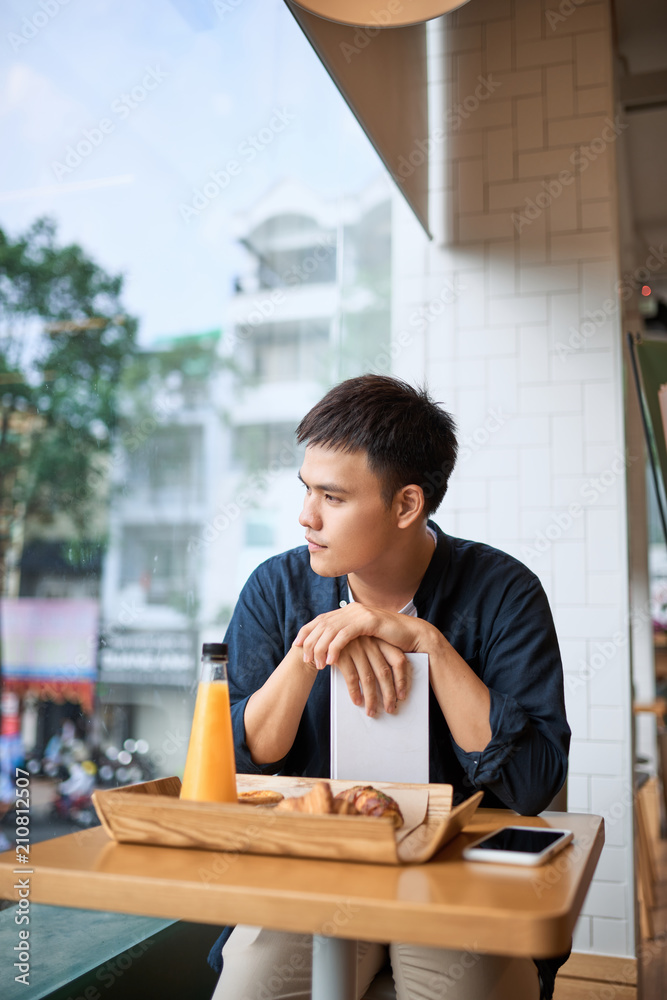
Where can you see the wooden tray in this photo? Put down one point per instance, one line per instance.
(152, 813)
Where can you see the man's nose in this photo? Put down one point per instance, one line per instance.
(309, 517)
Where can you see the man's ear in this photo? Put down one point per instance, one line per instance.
(409, 505)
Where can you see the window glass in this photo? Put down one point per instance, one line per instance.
(168, 467)
(215, 251)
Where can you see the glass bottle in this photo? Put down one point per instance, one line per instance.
(210, 767)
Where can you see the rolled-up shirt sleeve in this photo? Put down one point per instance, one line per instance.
(256, 646)
(525, 762)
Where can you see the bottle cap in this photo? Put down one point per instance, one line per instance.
(214, 649)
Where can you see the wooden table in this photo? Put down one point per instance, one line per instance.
(447, 902)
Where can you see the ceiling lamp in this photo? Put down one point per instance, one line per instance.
(380, 13)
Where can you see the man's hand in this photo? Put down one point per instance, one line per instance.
(369, 663)
(342, 639)
(332, 639)
(326, 636)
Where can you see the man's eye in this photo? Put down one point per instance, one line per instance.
(328, 496)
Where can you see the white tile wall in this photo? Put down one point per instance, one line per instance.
(567, 453)
(608, 720)
(500, 154)
(596, 757)
(560, 91)
(578, 796)
(582, 935)
(609, 686)
(604, 898)
(612, 863)
(531, 334)
(592, 58)
(590, 99)
(610, 937)
(569, 564)
(592, 16)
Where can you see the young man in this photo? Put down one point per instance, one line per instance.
(377, 580)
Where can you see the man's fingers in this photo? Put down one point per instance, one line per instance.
(384, 674)
(364, 665)
(329, 643)
(316, 625)
(400, 666)
(310, 644)
(308, 630)
(358, 673)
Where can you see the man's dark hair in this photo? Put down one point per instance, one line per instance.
(407, 437)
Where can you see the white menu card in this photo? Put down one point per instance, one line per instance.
(387, 747)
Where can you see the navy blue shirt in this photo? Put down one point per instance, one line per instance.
(493, 611)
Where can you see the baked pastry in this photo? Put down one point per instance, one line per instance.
(318, 800)
(260, 797)
(362, 800)
(371, 801)
(343, 807)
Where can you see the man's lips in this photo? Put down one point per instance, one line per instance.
(314, 546)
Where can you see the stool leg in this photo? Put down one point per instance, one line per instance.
(334, 968)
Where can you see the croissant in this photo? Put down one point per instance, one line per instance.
(345, 808)
(371, 801)
(318, 800)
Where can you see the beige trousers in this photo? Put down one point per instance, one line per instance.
(261, 964)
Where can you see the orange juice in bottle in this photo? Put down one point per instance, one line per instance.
(210, 767)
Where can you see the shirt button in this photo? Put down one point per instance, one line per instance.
(342, 604)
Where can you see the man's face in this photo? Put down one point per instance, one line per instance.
(349, 528)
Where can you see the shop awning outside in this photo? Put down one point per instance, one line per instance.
(49, 648)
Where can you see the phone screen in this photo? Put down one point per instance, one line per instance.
(526, 841)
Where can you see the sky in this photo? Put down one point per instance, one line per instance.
(113, 113)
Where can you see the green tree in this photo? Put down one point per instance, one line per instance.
(64, 341)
